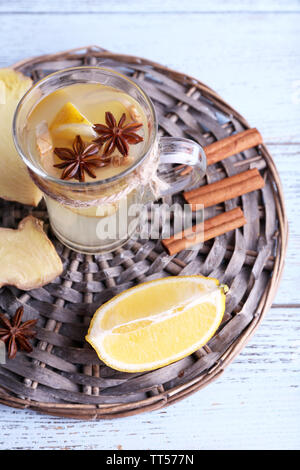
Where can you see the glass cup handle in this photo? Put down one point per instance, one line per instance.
(191, 160)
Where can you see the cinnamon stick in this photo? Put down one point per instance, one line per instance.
(225, 189)
(231, 145)
(228, 146)
(204, 231)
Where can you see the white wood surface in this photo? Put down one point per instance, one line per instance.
(249, 52)
(152, 6)
(253, 406)
(241, 55)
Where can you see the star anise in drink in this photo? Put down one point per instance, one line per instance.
(15, 333)
(78, 160)
(117, 135)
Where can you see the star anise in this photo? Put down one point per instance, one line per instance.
(81, 158)
(117, 135)
(15, 334)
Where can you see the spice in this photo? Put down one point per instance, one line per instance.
(118, 136)
(227, 147)
(78, 160)
(204, 231)
(15, 183)
(32, 255)
(232, 145)
(15, 334)
(225, 189)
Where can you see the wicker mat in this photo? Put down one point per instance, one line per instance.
(63, 376)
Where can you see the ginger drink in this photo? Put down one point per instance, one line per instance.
(88, 132)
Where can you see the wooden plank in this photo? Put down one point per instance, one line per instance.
(256, 69)
(119, 6)
(171, 6)
(253, 405)
(251, 58)
(286, 158)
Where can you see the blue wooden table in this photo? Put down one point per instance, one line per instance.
(249, 51)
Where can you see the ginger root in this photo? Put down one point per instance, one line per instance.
(28, 258)
(15, 182)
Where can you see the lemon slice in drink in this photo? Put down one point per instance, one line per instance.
(69, 114)
(70, 122)
(69, 131)
(157, 323)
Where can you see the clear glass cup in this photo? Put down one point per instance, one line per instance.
(99, 216)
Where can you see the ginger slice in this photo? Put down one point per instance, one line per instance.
(28, 258)
(2, 93)
(45, 148)
(43, 139)
(134, 113)
(15, 182)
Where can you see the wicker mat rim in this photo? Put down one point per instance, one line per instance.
(165, 398)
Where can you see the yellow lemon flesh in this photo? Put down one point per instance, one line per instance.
(69, 114)
(69, 122)
(156, 323)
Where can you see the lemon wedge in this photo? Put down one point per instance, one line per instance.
(69, 114)
(157, 323)
(70, 122)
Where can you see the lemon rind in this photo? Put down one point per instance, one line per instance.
(125, 367)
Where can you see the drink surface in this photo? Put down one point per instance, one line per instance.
(74, 110)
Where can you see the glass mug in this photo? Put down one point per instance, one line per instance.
(81, 212)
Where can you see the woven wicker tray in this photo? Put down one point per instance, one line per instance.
(63, 376)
